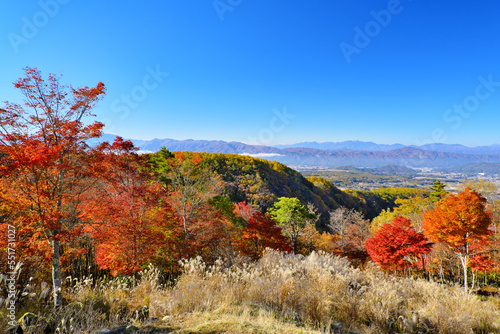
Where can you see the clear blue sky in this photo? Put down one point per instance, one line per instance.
(227, 79)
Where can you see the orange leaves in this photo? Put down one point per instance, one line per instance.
(32, 154)
(462, 223)
(459, 220)
(127, 227)
(127, 218)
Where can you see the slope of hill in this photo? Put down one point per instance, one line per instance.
(454, 148)
(212, 146)
(261, 182)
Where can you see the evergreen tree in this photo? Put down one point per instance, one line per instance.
(437, 191)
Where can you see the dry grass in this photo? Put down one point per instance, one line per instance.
(280, 293)
(320, 289)
(235, 319)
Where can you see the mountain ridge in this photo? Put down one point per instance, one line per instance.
(441, 155)
(356, 145)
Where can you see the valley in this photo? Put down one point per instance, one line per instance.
(356, 178)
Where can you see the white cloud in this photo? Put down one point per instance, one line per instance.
(263, 155)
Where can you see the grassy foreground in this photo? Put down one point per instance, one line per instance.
(278, 294)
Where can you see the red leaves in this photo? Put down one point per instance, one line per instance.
(260, 233)
(396, 245)
(243, 210)
(123, 146)
(128, 220)
(44, 161)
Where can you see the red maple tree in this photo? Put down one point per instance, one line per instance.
(127, 218)
(259, 233)
(243, 210)
(396, 245)
(43, 162)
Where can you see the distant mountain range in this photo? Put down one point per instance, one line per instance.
(212, 146)
(345, 145)
(352, 153)
(370, 146)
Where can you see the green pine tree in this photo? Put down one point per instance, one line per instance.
(437, 191)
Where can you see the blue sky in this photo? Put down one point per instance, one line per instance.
(269, 72)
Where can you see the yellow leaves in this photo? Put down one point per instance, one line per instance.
(411, 208)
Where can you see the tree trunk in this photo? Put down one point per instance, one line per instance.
(423, 266)
(56, 274)
(342, 238)
(185, 222)
(441, 271)
(465, 279)
(465, 261)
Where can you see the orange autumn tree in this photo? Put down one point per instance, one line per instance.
(483, 261)
(43, 161)
(462, 223)
(34, 253)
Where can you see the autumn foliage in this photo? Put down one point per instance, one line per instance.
(261, 232)
(126, 216)
(462, 223)
(459, 221)
(44, 163)
(397, 246)
(78, 208)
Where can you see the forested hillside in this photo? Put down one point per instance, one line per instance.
(261, 182)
